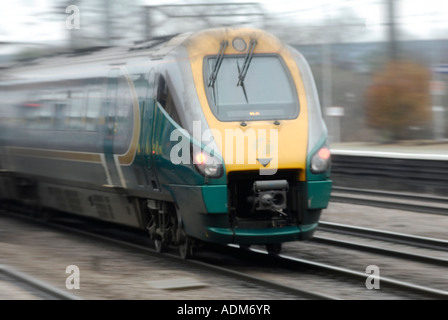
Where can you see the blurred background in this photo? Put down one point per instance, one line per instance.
(381, 66)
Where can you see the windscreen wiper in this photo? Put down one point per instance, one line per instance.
(247, 61)
(243, 71)
(242, 82)
(214, 75)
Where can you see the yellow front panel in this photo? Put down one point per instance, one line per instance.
(287, 142)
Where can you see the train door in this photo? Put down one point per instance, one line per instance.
(144, 86)
(146, 143)
(163, 128)
(110, 113)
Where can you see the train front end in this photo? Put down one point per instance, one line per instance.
(262, 147)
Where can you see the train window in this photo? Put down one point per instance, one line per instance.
(266, 93)
(93, 110)
(8, 118)
(45, 112)
(165, 99)
(60, 110)
(124, 116)
(30, 111)
(141, 85)
(124, 101)
(76, 111)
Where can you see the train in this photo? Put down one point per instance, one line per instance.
(213, 136)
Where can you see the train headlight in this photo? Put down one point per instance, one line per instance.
(207, 165)
(320, 161)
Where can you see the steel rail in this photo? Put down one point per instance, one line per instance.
(39, 286)
(401, 285)
(413, 240)
(408, 172)
(394, 195)
(383, 251)
(351, 274)
(391, 200)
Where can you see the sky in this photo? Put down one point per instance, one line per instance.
(30, 21)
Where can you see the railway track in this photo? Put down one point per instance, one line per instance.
(22, 286)
(412, 240)
(391, 200)
(408, 172)
(252, 259)
(385, 236)
(138, 242)
(289, 262)
(388, 283)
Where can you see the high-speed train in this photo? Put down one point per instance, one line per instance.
(212, 136)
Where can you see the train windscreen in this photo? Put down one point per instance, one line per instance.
(257, 89)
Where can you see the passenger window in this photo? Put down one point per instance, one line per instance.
(165, 99)
(124, 119)
(76, 114)
(45, 113)
(93, 110)
(60, 111)
(141, 85)
(30, 111)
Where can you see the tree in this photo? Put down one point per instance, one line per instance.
(399, 98)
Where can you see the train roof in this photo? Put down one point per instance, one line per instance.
(158, 48)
